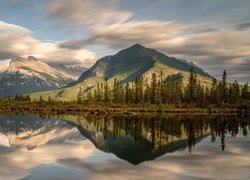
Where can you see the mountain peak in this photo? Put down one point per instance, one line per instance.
(137, 46)
(30, 74)
(32, 58)
(135, 61)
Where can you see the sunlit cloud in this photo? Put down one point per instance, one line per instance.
(21, 161)
(17, 41)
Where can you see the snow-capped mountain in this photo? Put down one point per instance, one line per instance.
(127, 65)
(31, 75)
(32, 131)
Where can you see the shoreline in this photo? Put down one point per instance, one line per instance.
(123, 110)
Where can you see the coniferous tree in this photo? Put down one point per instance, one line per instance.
(214, 92)
(98, 93)
(127, 93)
(191, 88)
(41, 98)
(224, 89)
(137, 93)
(79, 96)
(147, 94)
(154, 89)
(245, 92)
(236, 93)
(106, 91)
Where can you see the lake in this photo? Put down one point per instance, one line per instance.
(124, 147)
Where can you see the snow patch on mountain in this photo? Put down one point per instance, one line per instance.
(31, 75)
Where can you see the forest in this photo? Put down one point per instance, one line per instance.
(221, 94)
(157, 95)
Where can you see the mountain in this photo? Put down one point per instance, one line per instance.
(75, 71)
(31, 75)
(33, 131)
(127, 65)
(135, 138)
(135, 61)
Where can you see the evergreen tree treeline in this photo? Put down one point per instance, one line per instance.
(159, 91)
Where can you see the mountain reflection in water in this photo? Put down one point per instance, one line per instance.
(133, 138)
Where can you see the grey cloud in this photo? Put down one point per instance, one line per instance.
(201, 43)
(120, 35)
(211, 48)
(86, 12)
(243, 26)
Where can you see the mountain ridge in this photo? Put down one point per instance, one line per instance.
(27, 75)
(106, 67)
(125, 66)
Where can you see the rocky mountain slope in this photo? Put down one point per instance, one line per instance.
(135, 61)
(74, 72)
(31, 75)
(126, 66)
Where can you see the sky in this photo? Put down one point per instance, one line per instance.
(213, 34)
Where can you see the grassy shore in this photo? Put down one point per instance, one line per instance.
(98, 109)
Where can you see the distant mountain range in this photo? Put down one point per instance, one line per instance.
(32, 131)
(135, 145)
(127, 65)
(30, 75)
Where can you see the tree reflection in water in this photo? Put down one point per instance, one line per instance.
(137, 138)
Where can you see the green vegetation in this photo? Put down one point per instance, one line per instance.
(158, 95)
(170, 93)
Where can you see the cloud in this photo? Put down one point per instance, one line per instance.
(171, 37)
(243, 26)
(4, 65)
(206, 44)
(86, 12)
(205, 162)
(21, 161)
(18, 41)
(120, 35)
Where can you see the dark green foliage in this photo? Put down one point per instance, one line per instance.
(245, 92)
(163, 93)
(20, 97)
(154, 97)
(158, 91)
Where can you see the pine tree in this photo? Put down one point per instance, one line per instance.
(245, 92)
(98, 93)
(106, 91)
(115, 91)
(127, 93)
(192, 86)
(224, 89)
(147, 94)
(236, 93)
(214, 92)
(90, 99)
(154, 89)
(79, 96)
(41, 98)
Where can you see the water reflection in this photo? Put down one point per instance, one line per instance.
(78, 145)
(141, 138)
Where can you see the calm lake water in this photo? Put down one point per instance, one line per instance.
(124, 147)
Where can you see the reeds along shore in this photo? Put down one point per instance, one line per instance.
(56, 107)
